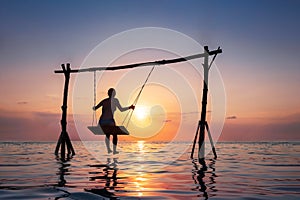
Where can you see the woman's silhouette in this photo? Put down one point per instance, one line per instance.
(109, 106)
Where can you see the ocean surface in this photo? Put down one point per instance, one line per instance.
(146, 170)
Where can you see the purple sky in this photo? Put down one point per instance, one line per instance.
(259, 66)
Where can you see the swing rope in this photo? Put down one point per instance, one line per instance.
(136, 99)
(95, 97)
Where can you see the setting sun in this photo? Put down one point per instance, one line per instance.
(141, 112)
(141, 116)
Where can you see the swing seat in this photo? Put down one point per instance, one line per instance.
(111, 130)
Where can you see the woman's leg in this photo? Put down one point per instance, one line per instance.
(108, 143)
(115, 143)
(109, 122)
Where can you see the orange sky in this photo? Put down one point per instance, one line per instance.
(259, 67)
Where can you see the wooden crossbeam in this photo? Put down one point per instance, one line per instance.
(143, 64)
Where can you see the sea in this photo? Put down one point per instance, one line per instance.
(149, 170)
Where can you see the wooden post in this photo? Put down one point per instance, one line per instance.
(195, 139)
(64, 137)
(203, 111)
(211, 140)
(202, 124)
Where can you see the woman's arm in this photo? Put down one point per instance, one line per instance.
(98, 106)
(122, 109)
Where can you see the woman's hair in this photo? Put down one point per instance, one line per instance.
(111, 92)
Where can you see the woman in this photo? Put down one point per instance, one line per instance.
(109, 106)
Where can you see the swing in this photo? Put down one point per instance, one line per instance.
(114, 130)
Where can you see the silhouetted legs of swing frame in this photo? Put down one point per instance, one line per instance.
(64, 139)
(202, 124)
(201, 131)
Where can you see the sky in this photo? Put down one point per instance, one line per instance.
(259, 64)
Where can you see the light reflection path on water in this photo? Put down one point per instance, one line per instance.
(142, 181)
(109, 181)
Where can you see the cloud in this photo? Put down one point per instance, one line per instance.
(22, 102)
(286, 128)
(191, 113)
(231, 117)
(45, 126)
(36, 126)
(53, 96)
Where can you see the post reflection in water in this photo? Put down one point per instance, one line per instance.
(199, 176)
(64, 165)
(212, 178)
(106, 174)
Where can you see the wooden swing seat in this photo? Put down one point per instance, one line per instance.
(111, 130)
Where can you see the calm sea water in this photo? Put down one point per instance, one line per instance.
(146, 171)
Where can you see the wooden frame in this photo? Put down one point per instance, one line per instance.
(64, 139)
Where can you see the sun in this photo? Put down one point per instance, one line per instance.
(141, 116)
(141, 112)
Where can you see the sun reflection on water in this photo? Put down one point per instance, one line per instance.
(141, 146)
(140, 180)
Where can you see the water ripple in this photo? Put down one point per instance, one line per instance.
(242, 171)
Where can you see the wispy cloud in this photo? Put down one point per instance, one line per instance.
(36, 126)
(53, 96)
(231, 117)
(22, 102)
(281, 128)
(191, 113)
